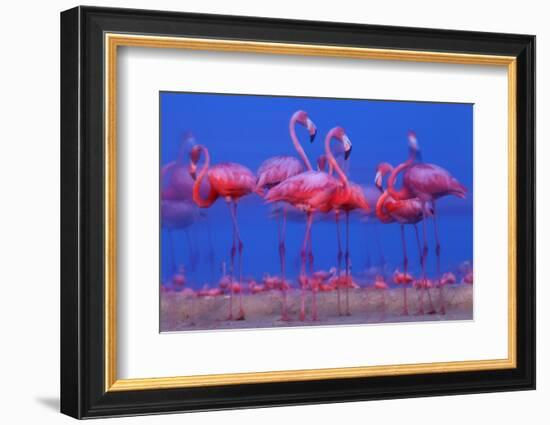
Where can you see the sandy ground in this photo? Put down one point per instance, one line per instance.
(180, 312)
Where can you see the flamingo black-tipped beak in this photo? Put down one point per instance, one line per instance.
(378, 180)
(347, 153)
(193, 171)
(312, 136)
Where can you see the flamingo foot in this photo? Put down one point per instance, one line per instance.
(405, 312)
(240, 315)
(302, 316)
(229, 317)
(432, 311)
(443, 311)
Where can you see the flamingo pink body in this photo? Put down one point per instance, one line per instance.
(231, 181)
(309, 191)
(179, 183)
(406, 211)
(427, 182)
(227, 179)
(277, 169)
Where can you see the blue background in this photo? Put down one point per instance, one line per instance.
(249, 129)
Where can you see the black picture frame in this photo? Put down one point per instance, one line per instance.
(82, 213)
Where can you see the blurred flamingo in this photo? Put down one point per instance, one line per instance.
(310, 191)
(407, 211)
(348, 196)
(427, 182)
(231, 181)
(177, 215)
(279, 168)
(177, 186)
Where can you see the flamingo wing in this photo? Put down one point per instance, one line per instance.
(430, 181)
(274, 170)
(231, 179)
(311, 189)
(408, 211)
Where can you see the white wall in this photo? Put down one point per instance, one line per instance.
(29, 225)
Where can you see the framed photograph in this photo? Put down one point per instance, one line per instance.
(261, 212)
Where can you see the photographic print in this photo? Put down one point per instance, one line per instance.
(279, 211)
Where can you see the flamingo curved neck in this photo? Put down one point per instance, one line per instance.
(381, 213)
(404, 192)
(296, 143)
(332, 161)
(199, 200)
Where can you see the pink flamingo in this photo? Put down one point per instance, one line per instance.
(177, 185)
(348, 196)
(310, 191)
(427, 182)
(408, 211)
(279, 168)
(231, 181)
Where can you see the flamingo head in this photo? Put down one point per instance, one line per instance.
(340, 134)
(414, 148)
(381, 170)
(303, 118)
(194, 156)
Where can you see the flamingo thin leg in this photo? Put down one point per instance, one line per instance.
(211, 254)
(438, 256)
(348, 280)
(231, 267)
(172, 253)
(303, 275)
(282, 255)
(421, 258)
(405, 265)
(311, 269)
(339, 259)
(240, 316)
(425, 258)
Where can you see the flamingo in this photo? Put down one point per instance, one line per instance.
(175, 215)
(177, 185)
(231, 181)
(279, 168)
(310, 191)
(427, 182)
(407, 211)
(348, 196)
